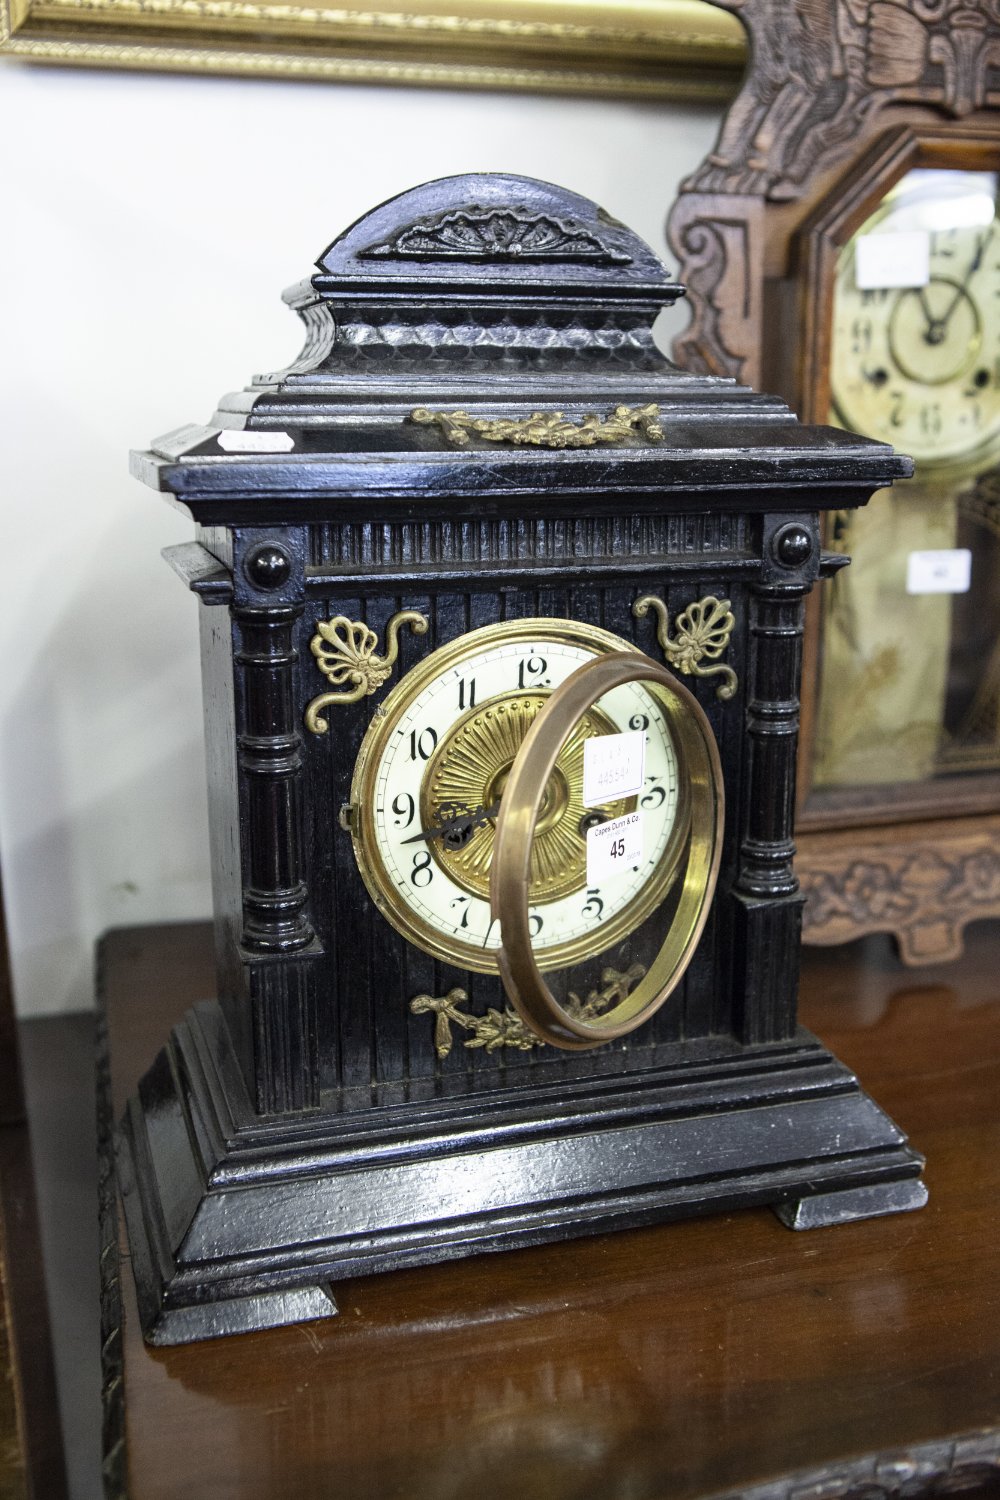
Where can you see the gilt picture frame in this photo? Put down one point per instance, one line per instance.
(640, 49)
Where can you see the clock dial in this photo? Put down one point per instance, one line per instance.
(431, 773)
(918, 364)
(908, 671)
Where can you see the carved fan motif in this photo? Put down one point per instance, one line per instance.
(497, 234)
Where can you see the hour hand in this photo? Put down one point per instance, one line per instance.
(457, 829)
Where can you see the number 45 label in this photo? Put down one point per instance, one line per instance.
(614, 847)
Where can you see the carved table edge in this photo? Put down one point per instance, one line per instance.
(940, 1467)
(113, 1455)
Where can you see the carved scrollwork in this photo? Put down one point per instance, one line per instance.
(482, 234)
(922, 894)
(504, 1028)
(818, 71)
(821, 73)
(345, 652)
(702, 632)
(545, 429)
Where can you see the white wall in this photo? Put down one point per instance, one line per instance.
(151, 224)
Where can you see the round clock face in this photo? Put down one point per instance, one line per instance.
(432, 770)
(916, 332)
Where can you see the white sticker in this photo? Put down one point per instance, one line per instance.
(889, 260)
(614, 847)
(946, 571)
(613, 766)
(257, 441)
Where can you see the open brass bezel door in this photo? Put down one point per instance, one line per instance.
(697, 870)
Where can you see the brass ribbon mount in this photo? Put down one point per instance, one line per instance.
(505, 1028)
(545, 429)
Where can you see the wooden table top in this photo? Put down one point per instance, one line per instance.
(687, 1360)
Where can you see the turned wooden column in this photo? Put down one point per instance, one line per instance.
(766, 890)
(266, 613)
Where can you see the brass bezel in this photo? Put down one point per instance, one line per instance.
(381, 887)
(699, 754)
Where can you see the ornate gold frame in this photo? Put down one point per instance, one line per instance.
(652, 49)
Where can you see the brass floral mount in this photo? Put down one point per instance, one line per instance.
(345, 652)
(545, 429)
(702, 632)
(504, 1028)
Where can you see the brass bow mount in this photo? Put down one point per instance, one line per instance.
(505, 1028)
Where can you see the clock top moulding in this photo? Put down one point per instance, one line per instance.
(307, 1125)
(387, 332)
(838, 102)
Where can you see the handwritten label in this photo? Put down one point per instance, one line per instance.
(255, 442)
(891, 260)
(945, 571)
(613, 766)
(614, 847)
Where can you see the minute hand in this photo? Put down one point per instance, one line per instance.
(461, 823)
(942, 323)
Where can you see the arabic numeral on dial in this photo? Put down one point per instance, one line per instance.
(467, 693)
(896, 408)
(535, 923)
(639, 721)
(422, 874)
(861, 334)
(403, 807)
(930, 419)
(656, 796)
(593, 906)
(973, 410)
(465, 905)
(423, 745)
(531, 671)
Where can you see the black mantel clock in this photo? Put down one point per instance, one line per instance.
(507, 923)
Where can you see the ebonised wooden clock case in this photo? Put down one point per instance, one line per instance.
(311, 1122)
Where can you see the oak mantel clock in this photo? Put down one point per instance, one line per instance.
(501, 619)
(840, 245)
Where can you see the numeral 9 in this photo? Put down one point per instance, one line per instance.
(404, 808)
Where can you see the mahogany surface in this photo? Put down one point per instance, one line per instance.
(690, 1359)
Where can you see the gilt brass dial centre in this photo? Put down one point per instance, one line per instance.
(469, 771)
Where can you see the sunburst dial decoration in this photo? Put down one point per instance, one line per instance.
(469, 770)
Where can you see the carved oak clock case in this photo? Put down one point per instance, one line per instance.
(840, 244)
(502, 623)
